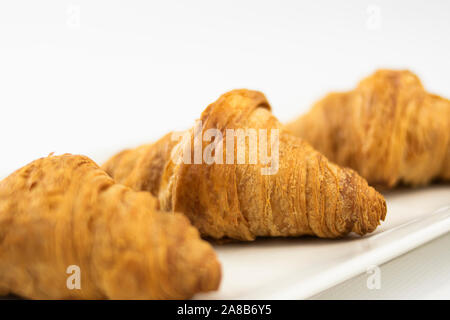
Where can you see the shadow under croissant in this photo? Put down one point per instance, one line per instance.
(403, 188)
(11, 297)
(285, 241)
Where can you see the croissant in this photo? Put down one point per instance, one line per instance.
(61, 213)
(388, 129)
(299, 192)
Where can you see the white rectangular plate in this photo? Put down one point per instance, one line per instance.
(299, 268)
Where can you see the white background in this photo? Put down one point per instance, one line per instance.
(93, 77)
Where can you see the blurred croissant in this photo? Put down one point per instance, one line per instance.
(389, 129)
(61, 213)
(303, 194)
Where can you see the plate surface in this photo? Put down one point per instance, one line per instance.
(299, 268)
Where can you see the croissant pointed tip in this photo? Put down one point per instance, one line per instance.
(363, 207)
(376, 209)
(199, 265)
(210, 276)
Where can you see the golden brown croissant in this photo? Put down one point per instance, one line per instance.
(304, 195)
(389, 129)
(63, 211)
